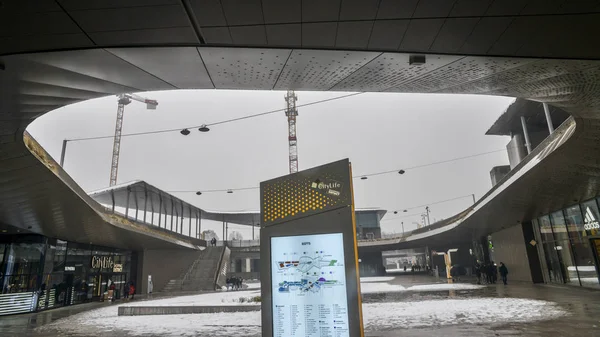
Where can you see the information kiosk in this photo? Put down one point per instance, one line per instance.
(309, 260)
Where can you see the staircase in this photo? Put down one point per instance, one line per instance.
(202, 274)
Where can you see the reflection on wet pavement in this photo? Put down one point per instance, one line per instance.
(582, 307)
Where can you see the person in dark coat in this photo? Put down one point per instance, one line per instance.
(503, 272)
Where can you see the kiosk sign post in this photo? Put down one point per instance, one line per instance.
(309, 259)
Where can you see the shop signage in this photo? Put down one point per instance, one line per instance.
(69, 268)
(102, 262)
(588, 226)
(118, 268)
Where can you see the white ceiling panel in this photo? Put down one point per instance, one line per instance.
(394, 9)
(131, 18)
(216, 35)
(289, 35)
(353, 35)
(277, 11)
(180, 66)
(358, 9)
(390, 70)
(44, 74)
(319, 10)
(139, 37)
(421, 34)
(320, 34)
(470, 7)
(433, 8)
(507, 7)
(100, 64)
(485, 33)
(249, 35)
(387, 34)
(320, 69)
(460, 72)
(208, 12)
(453, 35)
(537, 70)
(243, 68)
(247, 12)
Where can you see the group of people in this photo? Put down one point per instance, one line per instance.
(213, 242)
(234, 283)
(487, 273)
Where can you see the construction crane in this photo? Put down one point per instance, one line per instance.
(124, 99)
(291, 112)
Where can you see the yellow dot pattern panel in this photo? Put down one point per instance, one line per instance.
(298, 195)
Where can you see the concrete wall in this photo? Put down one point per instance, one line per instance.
(509, 247)
(163, 265)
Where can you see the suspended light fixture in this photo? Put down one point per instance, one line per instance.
(229, 191)
(364, 178)
(185, 132)
(203, 128)
(401, 172)
(198, 193)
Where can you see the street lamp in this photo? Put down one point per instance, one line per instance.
(185, 132)
(198, 193)
(203, 128)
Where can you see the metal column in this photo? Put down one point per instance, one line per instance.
(145, 201)
(112, 196)
(127, 204)
(172, 209)
(548, 118)
(190, 225)
(137, 208)
(182, 219)
(526, 134)
(63, 153)
(159, 209)
(151, 208)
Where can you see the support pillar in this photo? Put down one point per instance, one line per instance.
(145, 201)
(190, 225)
(159, 209)
(548, 118)
(526, 134)
(127, 204)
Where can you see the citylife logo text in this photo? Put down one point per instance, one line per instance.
(333, 187)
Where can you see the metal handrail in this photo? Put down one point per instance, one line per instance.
(187, 273)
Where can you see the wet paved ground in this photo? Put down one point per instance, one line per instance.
(582, 305)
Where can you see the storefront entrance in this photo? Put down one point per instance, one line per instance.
(100, 283)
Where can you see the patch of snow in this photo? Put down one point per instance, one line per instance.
(253, 285)
(403, 315)
(377, 317)
(376, 279)
(445, 286)
(217, 298)
(379, 287)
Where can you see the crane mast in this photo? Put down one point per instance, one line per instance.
(291, 112)
(124, 99)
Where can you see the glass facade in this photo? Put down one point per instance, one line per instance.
(568, 243)
(57, 273)
(367, 225)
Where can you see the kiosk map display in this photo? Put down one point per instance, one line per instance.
(309, 286)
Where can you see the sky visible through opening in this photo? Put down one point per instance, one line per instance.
(376, 131)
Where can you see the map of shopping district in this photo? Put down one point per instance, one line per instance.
(311, 272)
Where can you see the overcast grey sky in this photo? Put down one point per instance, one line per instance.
(376, 131)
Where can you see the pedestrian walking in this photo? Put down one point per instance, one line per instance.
(132, 290)
(503, 272)
(126, 291)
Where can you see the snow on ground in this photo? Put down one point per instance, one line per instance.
(376, 279)
(377, 317)
(253, 285)
(217, 298)
(371, 288)
(399, 315)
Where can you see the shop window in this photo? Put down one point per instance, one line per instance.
(558, 226)
(546, 229)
